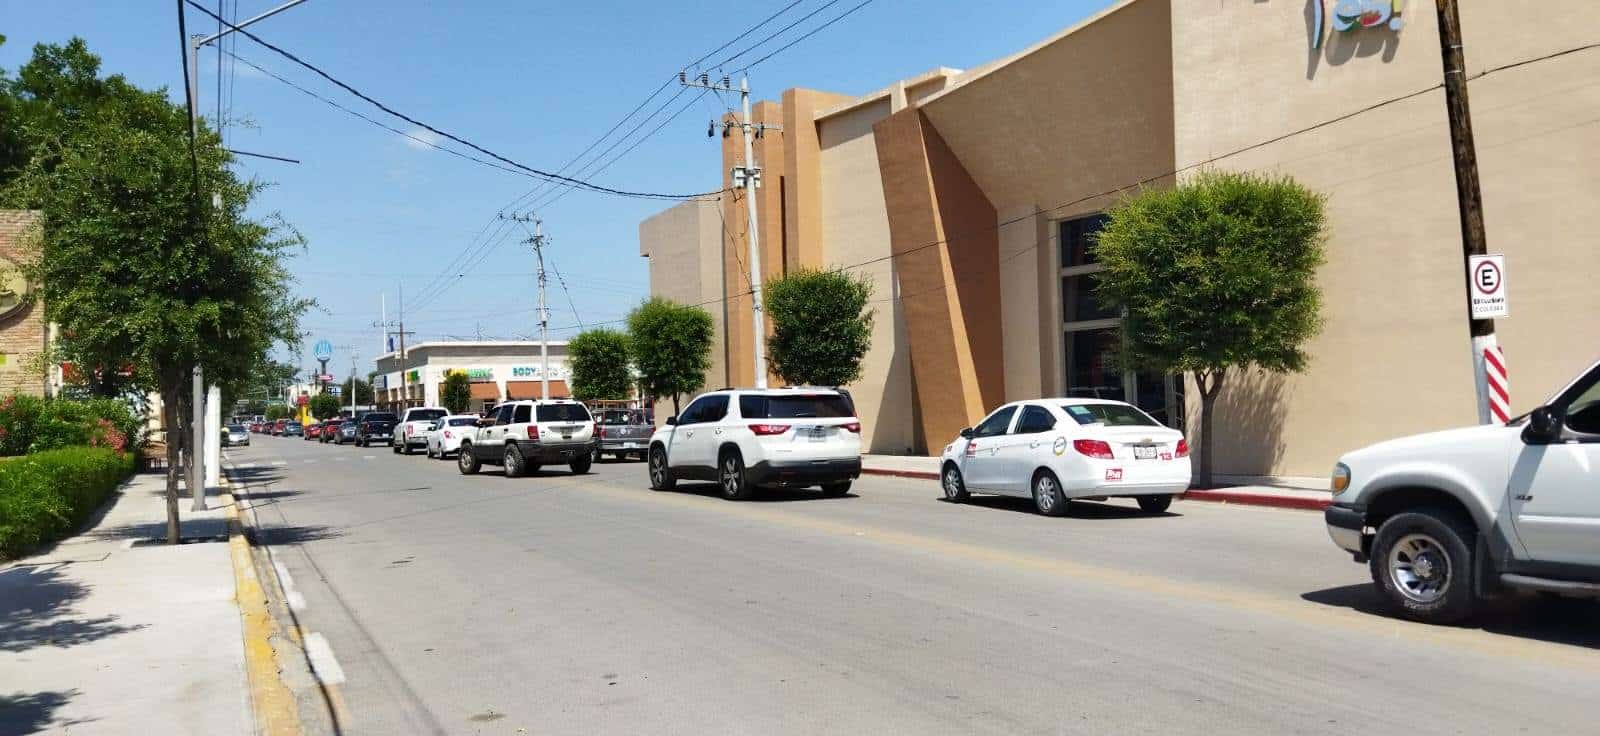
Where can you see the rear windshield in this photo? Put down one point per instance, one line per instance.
(426, 415)
(563, 413)
(1111, 415)
(621, 416)
(235, 428)
(378, 416)
(801, 406)
(463, 421)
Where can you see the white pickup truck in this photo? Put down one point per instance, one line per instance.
(1447, 519)
(412, 431)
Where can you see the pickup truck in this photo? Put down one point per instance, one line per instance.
(521, 436)
(1448, 519)
(411, 433)
(623, 433)
(377, 426)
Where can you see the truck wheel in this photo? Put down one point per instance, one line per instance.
(1047, 495)
(730, 476)
(1154, 504)
(955, 489)
(466, 462)
(513, 461)
(836, 489)
(394, 447)
(1422, 561)
(660, 475)
(580, 465)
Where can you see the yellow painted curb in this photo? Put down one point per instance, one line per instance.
(273, 704)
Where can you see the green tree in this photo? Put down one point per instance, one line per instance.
(278, 411)
(325, 406)
(1216, 275)
(600, 365)
(138, 267)
(821, 327)
(362, 389)
(671, 346)
(456, 392)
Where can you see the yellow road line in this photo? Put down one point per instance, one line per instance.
(271, 700)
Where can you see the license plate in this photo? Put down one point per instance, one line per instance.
(630, 445)
(566, 435)
(1144, 452)
(817, 434)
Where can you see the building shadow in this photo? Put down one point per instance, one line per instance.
(1249, 420)
(1093, 510)
(1542, 618)
(30, 713)
(37, 610)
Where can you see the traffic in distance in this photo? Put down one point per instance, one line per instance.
(1444, 521)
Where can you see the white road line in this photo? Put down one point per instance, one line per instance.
(340, 459)
(280, 462)
(368, 457)
(309, 461)
(323, 663)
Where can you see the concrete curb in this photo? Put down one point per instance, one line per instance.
(273, 704)
(1243, 498)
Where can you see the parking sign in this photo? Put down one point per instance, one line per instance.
(1487, 292)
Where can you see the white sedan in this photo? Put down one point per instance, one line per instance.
(444, 439)
(1053, 450)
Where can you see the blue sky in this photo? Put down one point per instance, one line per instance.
(535, 81)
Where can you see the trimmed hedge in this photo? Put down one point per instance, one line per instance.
(31, 424)
(46, 495)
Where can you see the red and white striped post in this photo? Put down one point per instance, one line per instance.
(1498, 385)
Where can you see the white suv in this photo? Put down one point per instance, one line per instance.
(746, 438)
(523, 435)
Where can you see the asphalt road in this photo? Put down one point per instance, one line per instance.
(562, 604)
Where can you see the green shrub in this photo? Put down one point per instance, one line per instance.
(31, 424)
(45, 495)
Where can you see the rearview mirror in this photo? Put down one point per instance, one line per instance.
(967, 433)
(672, 421)
(1544, 426)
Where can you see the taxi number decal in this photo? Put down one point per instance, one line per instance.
(1113, 473)
(972, 449)
(1166, 456)
(1060, 446)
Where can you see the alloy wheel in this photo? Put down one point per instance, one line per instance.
(1419, 567)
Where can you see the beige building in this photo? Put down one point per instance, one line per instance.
(24, 334)
(970, 198)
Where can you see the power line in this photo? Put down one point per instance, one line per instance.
(564, 290)
(775, 34)
(806, 35)
(636, 143)
(414, 121)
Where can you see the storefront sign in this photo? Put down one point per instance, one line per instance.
(1354, 15)
(322, 351)
(557, 372)
(380, 382)
(413, 376)
(1487, 276)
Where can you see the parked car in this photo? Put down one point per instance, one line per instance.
(327, 430)
(623, 433)
(747, 438)
(346, 432)
(445, 437)
(279, 426)
(1057, 450)
(525, 435)
(313, 431)
(412, 431)
(376, 426)
(1446, 519)
(293, 429)
(235, 435)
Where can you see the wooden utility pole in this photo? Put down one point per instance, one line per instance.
(1469, 199)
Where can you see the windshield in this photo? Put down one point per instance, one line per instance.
(563, 413)
(799, 406)
(425, 415)
(1111, 415)
(236, 428)
(462, 421)
(621, 416)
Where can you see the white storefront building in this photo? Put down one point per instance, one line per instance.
(499, 370)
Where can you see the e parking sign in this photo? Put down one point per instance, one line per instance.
(1486, 278)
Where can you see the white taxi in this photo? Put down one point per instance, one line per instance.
(1056, 450)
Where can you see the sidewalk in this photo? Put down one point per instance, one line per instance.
(106, 633)
(1293, 493)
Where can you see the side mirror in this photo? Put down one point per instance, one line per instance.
(672, 421)
(486, 421)
(1544, 426)
(967, 433)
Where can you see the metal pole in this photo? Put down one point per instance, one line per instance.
(197, 443)
(758, 334)
(1469, 199)
(354, 356)
(405, 391)
(544, 317)
(249, 21)
(213, 463)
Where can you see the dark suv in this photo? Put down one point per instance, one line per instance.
(376, 426)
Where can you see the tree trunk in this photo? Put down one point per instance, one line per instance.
(169, 419)
(675, 411)
(1209, 383)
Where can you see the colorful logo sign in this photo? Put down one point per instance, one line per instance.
(322, 351)
(1353, 15)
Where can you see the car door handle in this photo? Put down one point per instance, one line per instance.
(717, 431)
(1034, 444)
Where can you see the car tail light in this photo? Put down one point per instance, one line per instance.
(767, 430)
(852, 427)
(1183, 448)
(1093, 448)
(533, 431)
(598, 430)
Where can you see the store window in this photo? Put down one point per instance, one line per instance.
(1093, 334)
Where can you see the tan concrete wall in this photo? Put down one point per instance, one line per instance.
(1393, 357)
(22, 333)
(855, 229)
(684, 246)
(802, 190)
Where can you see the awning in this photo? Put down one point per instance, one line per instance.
(486, 391)
(530, 390)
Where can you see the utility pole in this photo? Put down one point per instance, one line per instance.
(200, 454)
(1474, 241)
(537, 240)
(747, 177)
(392, 329)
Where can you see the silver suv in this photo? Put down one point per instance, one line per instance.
(522, 436)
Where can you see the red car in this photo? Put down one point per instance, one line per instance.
(312, 431)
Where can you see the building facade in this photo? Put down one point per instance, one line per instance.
(970, 200)
(499, 370)
(24, 334)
